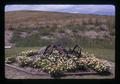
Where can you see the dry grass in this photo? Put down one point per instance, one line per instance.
(66, 28)
(37, 19)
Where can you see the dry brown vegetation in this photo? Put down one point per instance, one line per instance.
(39, 19)
(60, 27)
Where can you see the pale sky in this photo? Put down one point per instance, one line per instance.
(84, 9)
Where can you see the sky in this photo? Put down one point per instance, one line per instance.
(83, 9)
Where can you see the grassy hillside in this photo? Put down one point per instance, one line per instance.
(33, 28)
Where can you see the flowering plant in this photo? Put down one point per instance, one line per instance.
(94, 63)
(10, 60)
(29, 52)
(24, 61)
(56, 63)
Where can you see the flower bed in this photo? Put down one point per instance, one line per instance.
(57, 64)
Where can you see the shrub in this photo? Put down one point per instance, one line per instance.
(29, 52)
(9, 60)
(24, 61)
(94, 63)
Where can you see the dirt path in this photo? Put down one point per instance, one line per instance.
(11, 73)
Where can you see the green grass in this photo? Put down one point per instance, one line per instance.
(108, 54)
(67, 40)
(15, 51)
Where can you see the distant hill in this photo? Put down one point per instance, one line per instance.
(55, 27)
(37, 18)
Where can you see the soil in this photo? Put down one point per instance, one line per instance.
(11, 73)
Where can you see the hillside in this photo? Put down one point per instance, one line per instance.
(38, 28)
